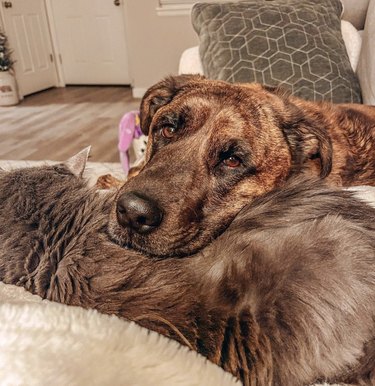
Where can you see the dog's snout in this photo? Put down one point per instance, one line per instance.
(138, 212)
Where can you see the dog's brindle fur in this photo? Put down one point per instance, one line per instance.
(285, 296)
(274, 135)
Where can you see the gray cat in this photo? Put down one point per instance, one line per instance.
(285, 296)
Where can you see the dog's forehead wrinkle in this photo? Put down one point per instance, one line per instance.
(210, 104)
(197, 101)
(229, 112)
(190, 111)
(197, 110)
(165, 115)
(228, 137)
(226, 120)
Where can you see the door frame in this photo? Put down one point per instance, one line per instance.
(55, 47)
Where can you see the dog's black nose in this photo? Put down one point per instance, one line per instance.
(138, 212)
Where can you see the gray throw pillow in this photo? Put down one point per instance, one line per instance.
(293, 43)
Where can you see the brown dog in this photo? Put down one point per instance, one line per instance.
(215, 146)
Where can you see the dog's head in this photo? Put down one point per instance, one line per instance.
(213, 147)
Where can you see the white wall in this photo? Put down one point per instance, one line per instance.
(155, 42)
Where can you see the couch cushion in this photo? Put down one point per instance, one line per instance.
(355, 12)
(293, 43)
(366, 65)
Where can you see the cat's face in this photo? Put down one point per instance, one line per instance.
(22, 191)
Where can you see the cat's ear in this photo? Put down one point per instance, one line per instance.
(77, 163)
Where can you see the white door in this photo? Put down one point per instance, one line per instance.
(91, 39)
(29, 37)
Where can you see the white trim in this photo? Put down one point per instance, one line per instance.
(176, 2)
(179, 7)
(174, 9)
(138, 92)
(2, 23)
(55, 46)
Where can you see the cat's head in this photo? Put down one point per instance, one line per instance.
(22, 191)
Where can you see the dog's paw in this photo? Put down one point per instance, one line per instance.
(107, 181)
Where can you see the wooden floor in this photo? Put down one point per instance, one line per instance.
(57, 123)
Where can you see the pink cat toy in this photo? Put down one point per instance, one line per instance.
(129, 135)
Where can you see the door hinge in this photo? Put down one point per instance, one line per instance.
(7, 4)
(51, 57)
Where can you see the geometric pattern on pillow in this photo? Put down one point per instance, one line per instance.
(293, 43)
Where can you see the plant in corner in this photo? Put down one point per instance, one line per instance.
(8, 86)
(6, 61)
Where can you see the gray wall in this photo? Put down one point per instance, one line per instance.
(155, 42)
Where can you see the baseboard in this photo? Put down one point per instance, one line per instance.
(138, 92)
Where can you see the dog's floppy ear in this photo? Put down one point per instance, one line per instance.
(306, 142)
(306, 135)
(161, 94)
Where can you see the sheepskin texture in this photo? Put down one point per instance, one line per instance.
(46, 343)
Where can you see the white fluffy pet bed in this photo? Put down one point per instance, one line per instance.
(44, 343)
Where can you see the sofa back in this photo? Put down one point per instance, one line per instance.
(355, 12)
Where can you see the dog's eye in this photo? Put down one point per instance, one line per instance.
(168, 131)
(232, 162)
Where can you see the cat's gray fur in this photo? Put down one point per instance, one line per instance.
(284, 297)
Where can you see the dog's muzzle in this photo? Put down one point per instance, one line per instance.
(138, 212)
